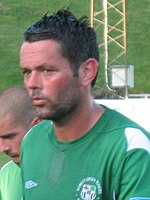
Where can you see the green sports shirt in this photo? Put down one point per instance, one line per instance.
(111, 161)
(10, 182)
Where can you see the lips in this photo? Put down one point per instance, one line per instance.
(37, 101)
(15, 157)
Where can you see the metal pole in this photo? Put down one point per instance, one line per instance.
(92, 13)
(125, 49)
(105, 41)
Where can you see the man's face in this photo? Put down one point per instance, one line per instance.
(54, 90)
(11, 136)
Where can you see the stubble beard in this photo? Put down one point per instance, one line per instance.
(64, 107)
(58, 112)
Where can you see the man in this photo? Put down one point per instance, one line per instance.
(87, 151)
(17, 115)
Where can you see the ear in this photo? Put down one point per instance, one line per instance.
(88, 71)
(35, 121)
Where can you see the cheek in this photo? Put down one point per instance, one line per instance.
(25, 82)
(18, 140)
(26, 86)
(55, 86)
(15, 146)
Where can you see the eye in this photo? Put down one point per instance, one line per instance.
(48, 71)
(9, 136)
(26, 72)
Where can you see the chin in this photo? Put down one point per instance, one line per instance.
(16, 160)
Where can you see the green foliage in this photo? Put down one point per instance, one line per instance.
(137, 42)
(16, 16)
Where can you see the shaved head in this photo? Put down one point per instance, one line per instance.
(15, 103)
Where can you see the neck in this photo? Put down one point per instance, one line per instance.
(80, 123)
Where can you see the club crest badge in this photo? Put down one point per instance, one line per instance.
(89, 189)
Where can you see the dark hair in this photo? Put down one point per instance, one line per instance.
(77, 39)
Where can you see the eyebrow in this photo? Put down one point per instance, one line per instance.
(38, 66)
(7, 135)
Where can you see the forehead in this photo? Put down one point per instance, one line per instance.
(6, 120)
(7, 125)
(44, 52)
(42, 46)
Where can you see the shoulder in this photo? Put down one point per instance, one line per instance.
(37, 133)
(9, 165)
(9, 168)
(38, 129)
(115, 120)
(10, 181)
(137, 139)
(124, 132)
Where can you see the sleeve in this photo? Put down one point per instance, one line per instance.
(0, 194)
(134, 178)
(1, 184)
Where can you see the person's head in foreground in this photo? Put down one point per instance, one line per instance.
(17, 116)
(59, 60)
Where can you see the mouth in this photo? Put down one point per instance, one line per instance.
(15, 158)
(37, 101)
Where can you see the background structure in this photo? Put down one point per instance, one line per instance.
(17, 15)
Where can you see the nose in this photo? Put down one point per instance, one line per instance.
(33, 80)
(4, 147)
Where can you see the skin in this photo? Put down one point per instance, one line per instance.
(56, 93)
(11, 136)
